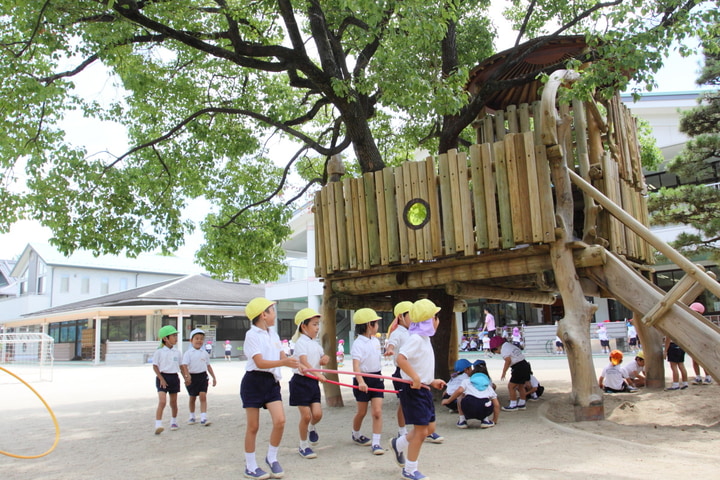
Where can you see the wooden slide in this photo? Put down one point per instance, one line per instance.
(666, 311)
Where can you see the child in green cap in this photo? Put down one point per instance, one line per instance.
(166, 365)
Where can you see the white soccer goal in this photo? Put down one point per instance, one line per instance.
(27, 355)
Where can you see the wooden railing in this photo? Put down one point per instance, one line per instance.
(496, 197)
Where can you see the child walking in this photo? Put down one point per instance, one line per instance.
(260, 386)
(195, 368)
(417, 362)
(398, 334)
(365, 354)
(166, 365)
(305, 391)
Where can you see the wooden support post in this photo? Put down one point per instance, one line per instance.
(333, 397)
(677, 291)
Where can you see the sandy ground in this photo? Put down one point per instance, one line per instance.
(106, 416)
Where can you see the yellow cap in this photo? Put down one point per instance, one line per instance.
(256, 306)
(640, 355)
(422, 310)
(365, 315)
(304, 314)
(402, 307)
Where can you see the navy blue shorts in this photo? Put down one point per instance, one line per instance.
(477, 408)
(173, 383)
(417, 406)
(304, 391)
(675, 354)
(257, 389)
(633, 341)
(604, 343)
(372, 383)
(520, 372)
(198, 384)
(398, 385)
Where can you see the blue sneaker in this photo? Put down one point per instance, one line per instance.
(377, 450)
(416, 475)
(487, 424)
(435, 438)
(461, 424)
(276, 470)
(399, 456)
(307, 452)
(258, 474)
(313, 437)
(509, 408)
(362, 440)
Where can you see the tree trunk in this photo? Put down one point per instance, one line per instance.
(574, 328)
(651, 341)
(328, 333)
(444, 342)
(358, 130)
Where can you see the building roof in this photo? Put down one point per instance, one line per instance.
(143, 263)
(189, 295)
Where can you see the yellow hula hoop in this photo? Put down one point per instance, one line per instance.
(52, 415)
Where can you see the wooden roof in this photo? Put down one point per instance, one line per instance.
(554, 53)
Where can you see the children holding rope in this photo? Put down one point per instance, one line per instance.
(365, 354)
(304, 390)
(260, 386)
(417, 362)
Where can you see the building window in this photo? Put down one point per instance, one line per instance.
(85, 285)
(64, 283)
(123, 284)
(104, 286)
(41, 285)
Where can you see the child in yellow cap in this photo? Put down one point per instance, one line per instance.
(260, 386)
(612, 379)
(304, 390)
(416, 360)
(365, 352)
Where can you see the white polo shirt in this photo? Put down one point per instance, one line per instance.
(167, 359)
(367, 350)
(455, 382)
(512, 351)
(310, 348)
(266, 343)
(419, 353)
(397, 339)
(196, 359)
(470, 389)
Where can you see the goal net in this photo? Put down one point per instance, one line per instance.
(27, 355)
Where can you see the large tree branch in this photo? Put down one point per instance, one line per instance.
(69, 73)
(277, 190)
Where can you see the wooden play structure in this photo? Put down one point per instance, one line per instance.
(551, 197)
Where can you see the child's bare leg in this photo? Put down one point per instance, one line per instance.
(203, 403)
(191, 405)
(400, 417)
(415, 438)
(162, 401)
(359, 415)
(683, 371)
(173, 404)
(316, 413)
(675, 373)
(252, 416)
(376, 406)
(512, 390)
(305, 417)
(277, 413)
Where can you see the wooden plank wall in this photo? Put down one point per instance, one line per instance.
(496, 196)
